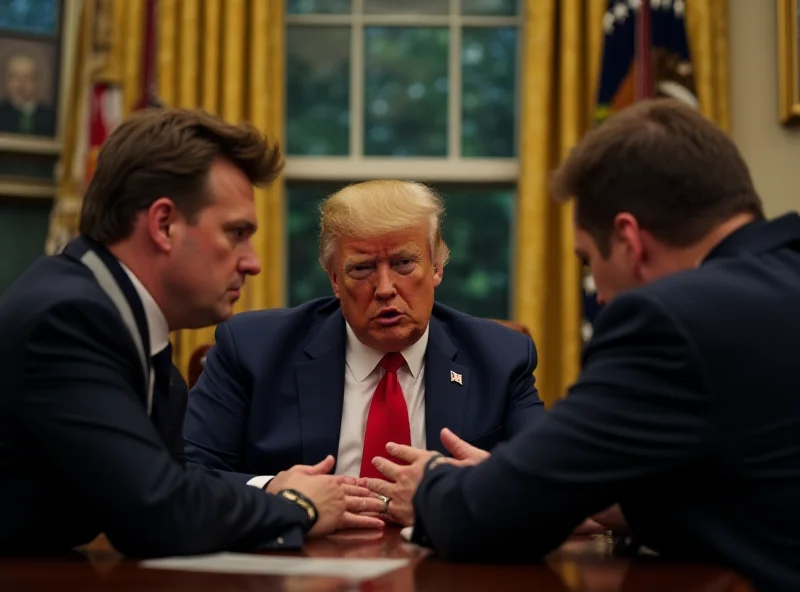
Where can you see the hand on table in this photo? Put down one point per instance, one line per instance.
(357, 499)
(327, 495)
(403, 481)
(277, 483)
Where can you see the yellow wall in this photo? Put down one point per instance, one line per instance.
(772, 151)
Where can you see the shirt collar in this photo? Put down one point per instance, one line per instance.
(363, 359)
(156, 321)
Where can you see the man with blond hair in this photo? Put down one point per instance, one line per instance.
(326, 385)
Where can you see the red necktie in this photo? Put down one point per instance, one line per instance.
(388, 418)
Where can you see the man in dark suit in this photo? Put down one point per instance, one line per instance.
(310, 384)
(87, 416)
(686, 412)
(22, 111)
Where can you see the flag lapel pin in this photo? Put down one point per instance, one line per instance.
(456, 377)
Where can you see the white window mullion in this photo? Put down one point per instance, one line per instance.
(470, 170)
(401, 20)
(357, 81)
(454, 74)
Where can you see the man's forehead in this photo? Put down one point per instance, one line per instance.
(379, 246)
(22, 62)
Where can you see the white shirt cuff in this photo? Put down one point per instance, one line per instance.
(260, 481)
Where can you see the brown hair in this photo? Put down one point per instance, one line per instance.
(664, 163)
(168, 153)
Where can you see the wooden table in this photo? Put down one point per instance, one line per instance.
(580, 564)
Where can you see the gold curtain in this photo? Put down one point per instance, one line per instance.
(237, 73)
(562, 49)
(707, 31)
(107, 49)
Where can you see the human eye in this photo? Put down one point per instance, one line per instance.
(405, 264)
(239, 233)
(360, 270)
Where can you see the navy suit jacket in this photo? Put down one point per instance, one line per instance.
(79, 454)
(687, 413)
(272, 390)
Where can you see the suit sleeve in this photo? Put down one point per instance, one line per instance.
(91, 424)
(216, 416)
(524, 405)
(639, 408)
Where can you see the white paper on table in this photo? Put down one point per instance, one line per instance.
(350, 569)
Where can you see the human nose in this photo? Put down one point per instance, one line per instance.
(249, 264)
(384, 288)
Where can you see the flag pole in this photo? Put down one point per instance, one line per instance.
(643, 61)
(147, 92)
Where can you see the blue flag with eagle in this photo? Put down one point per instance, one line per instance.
(667, 63)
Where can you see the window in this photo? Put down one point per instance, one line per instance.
(422, 90)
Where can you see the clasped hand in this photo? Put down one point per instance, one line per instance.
(403, 480)
(349, 503)
(340, 502)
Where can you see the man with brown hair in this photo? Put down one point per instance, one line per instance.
(90, 428)
(686, 412)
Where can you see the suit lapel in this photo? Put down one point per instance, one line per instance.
(77, 249)
(445, 398)
(126, 299)
(320, 387)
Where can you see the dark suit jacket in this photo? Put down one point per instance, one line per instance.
(79, 454)
(171, 430)
(687, 413)
(272, 390)
(43, 119)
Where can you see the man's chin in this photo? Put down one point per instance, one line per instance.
(394, 337)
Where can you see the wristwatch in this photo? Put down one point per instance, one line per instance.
(298, 498)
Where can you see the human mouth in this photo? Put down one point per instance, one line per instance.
(388, 317)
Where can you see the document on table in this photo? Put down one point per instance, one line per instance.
(349, 569)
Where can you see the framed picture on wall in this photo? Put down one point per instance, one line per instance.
(788, 62)
(36, 47)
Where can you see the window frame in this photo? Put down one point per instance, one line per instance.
(453, 169)
(448, 169)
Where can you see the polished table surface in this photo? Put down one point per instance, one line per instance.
(580, 564)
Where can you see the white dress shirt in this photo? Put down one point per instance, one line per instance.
(361, 377)
(156, 321)
(157, 325)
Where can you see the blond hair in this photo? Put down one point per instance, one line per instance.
(375, 208)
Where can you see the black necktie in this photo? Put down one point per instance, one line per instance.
(162, 370)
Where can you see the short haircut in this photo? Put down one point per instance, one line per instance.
(663, 162)
(376, 208)
(168, 153)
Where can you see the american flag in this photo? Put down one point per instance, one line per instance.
(645, 54)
